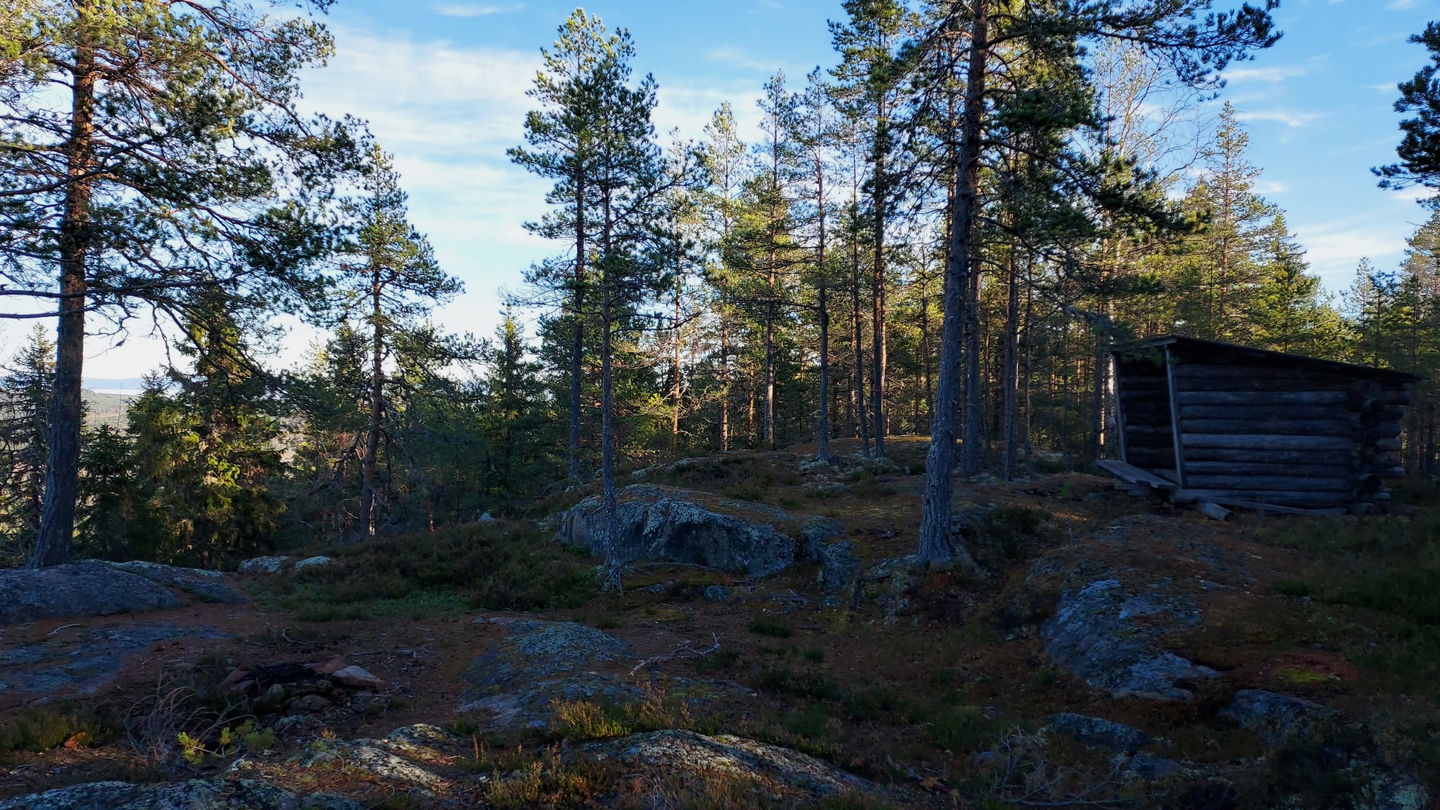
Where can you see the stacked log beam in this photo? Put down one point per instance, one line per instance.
(1285, 435)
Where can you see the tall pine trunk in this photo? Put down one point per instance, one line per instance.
(577, 334)
(369, 500)
(858, 346)
(877, 292)
(610, 500)
(974, 429)
(724, 377)
(67, 412)
(677, 388)
(936, 543)
(1011, 374)
(822, 429)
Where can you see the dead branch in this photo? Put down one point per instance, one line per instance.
(685, 650)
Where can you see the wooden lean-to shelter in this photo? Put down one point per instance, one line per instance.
(1213, 422)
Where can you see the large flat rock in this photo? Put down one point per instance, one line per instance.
(537, 662)
(196, 794)
(78, 589)
(95, 588)
(82, 664)
(679, 760)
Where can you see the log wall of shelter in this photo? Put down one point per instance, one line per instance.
(1285, 434)
(1258, 426)
(1144, 412)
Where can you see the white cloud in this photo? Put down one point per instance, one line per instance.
(1270, 74)
(448, 114)
(474, 9)
(1413, 194)
(1270, 187)
(1401, 5)
(735, 57)
(689, 108)
(1334, 248)
(1286, 117)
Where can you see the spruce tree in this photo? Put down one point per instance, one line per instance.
(25, 394)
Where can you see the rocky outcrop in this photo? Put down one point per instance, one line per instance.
(538, 662)
(671, 525)
(1111, 601)
(379, 759)
(272, 566)
(78, 589)
(677, 761)
(1108, 633)
(95, 588)
(81, 662)
(838, 563)
(1099, 732)
(205, 585)
(265, 565)
(196, 794)
(313, 562)
(1279, 720)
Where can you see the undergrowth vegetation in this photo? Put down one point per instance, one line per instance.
(1376, 577)
(498, 566)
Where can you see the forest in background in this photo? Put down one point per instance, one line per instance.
(703, 296)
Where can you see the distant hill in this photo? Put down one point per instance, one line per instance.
(106, 407)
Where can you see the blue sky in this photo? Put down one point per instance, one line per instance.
(443, 84)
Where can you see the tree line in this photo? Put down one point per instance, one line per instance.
(942, 233)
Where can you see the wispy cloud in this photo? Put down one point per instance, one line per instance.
(1401, 5)
(736, 57)
(1270, 187)
(1334, 248)
(475, 9)
(1413, 194)
(1271, 74)
(1287, 117)
(448, 113)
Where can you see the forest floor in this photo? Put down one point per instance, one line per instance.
(1340, 611)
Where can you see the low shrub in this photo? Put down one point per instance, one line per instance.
(963, 729)
(483, 566)
(576, 720)
(806, 683)
(40, 728)
(772, 626)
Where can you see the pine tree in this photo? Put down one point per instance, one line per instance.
(1289, 313)
(1052, 33)
(870, 93)
(1419, 149)
(394, 280)
(204, 453)
(1220, 262)
(178, 130)
(565, 142)
(723, 157)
